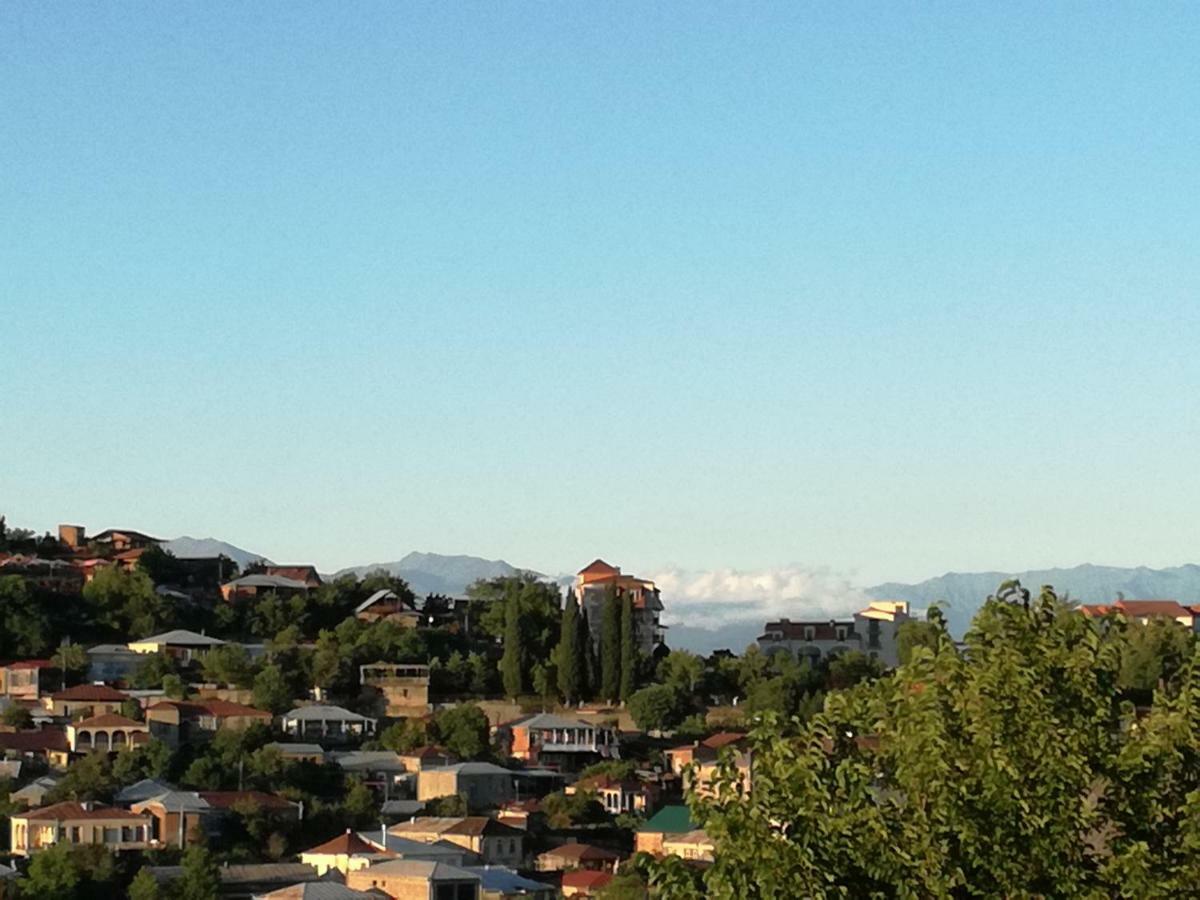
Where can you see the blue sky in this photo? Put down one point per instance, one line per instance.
(891, 289)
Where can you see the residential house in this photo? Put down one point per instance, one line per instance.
(26, 679)
(560, 742)
(48, 744)
(306, 575)
(107, 732)
(250, 587)
(484, 785)
(85, 700)
(179, 644)
(694, 845)
(192, 816)
(598, 579)
(619, 795)
(873, 631)
(118, 540)
(406, 848)
(668, 823)
(429, 757)
(503, 883)
(382, 770)
(1144, 611)
(569, 857)
(523, 814)
(584, 883)
(112, 663)
(78, 823)
(33, 795)
(416, 879)
(344, 854)
(405, 688)
(704, 759)
(386, 605)
(494, 842)
(54, 576)
(330, 723)
(146, 789)
(310, 753)
(177, 722)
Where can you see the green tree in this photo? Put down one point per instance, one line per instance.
(610, 646)
(53, 874)
(1155, 653)
(24, 625)
(17, 716)
(71, 661)
(850, 668)
(589, 682)
(628, 648)
(201, 879)
(682, 669)
(271, 690)
(570, 657)
(1013, 769)
(154, 668)
(539, 604)
(228, 664)
(658, 707)
(913, 634)
(90, 778)
(463, 730)
(404, 736)
(174, 687)
(512, 663)
(144, 887)
(126, 603)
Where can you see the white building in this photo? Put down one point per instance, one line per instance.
(872, 631)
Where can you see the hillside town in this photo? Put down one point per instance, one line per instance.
(178, 726)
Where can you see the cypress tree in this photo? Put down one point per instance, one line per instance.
(568, 651)
(610, 646)
(589, 679)
(511, 663)
(628, 650)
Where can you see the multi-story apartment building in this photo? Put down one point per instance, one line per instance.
(872, 630)
(599, 580)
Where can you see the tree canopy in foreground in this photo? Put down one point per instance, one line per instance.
(1014, 766)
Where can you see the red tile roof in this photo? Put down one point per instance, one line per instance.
(109, 720)
(95, 693)
(70, 810)
(482, 825)
(581, 853)
(585, 879)
(723, 739)
(41, 741)
(229, 799)
(31, 664)
(1138, 609)
(221, 709)
(598, 567)
(344, 845)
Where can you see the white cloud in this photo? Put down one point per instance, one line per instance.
(720, 597)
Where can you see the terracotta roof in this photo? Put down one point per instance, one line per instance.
(598, 567)
(109, 720)
(482, 825)
(344, 845)
(229, 799)
(723, 739)
(581, 853)
(30, 664)
(91, 692)
(70, 810)
(307, 574)
(585, 879)
(224, 709)
(1138, 608)
(430, 751)
(34, 741)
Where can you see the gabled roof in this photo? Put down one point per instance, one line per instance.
(70, 810)
(30, 664)
(580, 853)
(380, 596)
(550, 720)
(266, 581)
(108, 533)
(343, 845)
(476, 826)
(319, 890)
(423, 868)
(181, 637)
(221, 709)
(97, 693)
(304, 574)
(586, 879)
(504, 881)
(145, 789)
(723, 739)
(599, 567)
(318, 712)
(40, 741)
(669, 820)
(109, 720)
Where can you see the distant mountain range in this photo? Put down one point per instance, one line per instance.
(432, 573)
(191, 548)
(961, 594)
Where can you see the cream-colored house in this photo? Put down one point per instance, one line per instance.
(79, 823)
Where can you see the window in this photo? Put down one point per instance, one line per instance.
(841, 633)
(809, 632)
(76, 834)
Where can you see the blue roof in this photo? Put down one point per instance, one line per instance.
(506, 881)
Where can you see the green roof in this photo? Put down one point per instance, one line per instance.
(670, 820)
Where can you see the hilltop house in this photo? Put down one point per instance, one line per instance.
(85, 699)
(332, 723)
(118, 540)
(106, 732)
(872, 631)
(179, 643)
(176, 722)
(387, 605)
(249, 587)
(569, 857)
(598, 579)
(25, 679)
(561, 742)
(78, 823)
(494, 842)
